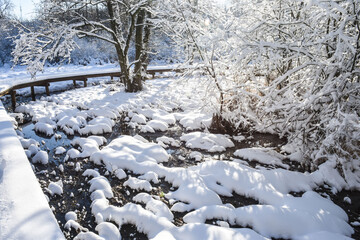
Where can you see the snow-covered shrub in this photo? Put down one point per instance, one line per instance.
(281, 66)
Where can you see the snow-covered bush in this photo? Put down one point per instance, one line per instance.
(281, 66)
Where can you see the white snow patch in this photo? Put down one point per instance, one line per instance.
(194, 120)
(108, 231)
(138, 184)
(138, 118)
(41, 157)
(159, 208)
(147, 128)
(150, 176)
(262, 155)
(101, 183)
(70, 216)
(169, 141)
(207, 141)
(46, 128)
(55, 188)
(60, 150)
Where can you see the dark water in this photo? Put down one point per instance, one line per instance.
(76, 196)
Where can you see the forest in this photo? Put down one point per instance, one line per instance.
(260, 120)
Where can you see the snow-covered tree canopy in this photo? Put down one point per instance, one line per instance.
(5, 8)
(114, 21)
(288, 67)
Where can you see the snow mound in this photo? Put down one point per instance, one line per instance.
(108, 231)
(194, 120)
(207, 141)
(70, 216)
(41, 157)
(45, 128)
(91, 173)
(138, 118)
(138, 184)
(89, 145)
(126, 148)
(197, 156)
(70, 124)
(296, 218)
(98, 125)
(169, 141)
(25, 143)
(72, 154)
(262, 155)
(147, 128)
(159, 208)
(158, 125)
(150, 176)
(101, 184)
(60, 150)
(164, 117)
(55, 188)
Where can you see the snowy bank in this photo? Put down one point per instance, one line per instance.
(23, 206)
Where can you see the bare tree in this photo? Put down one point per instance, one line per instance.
(113, 21)
(6, 7)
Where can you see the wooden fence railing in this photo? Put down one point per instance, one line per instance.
(76, 77)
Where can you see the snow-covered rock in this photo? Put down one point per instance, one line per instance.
(261, 155)
(138, 118)
(55, 188)
(45, 128)
(41, 157)
(158, 125)
(138, 184)
(207, 141)
(60, 150)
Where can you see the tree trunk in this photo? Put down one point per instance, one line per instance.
(146, 41)
(139, 50)
(121, 53)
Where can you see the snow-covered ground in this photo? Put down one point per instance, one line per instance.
(24, 211)
(197, 192)
(10, 77)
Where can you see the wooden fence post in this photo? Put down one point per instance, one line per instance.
(33, 93)
(13, 99)
(47, 89)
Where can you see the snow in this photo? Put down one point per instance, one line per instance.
(150, 176)
(23, 206)
(196, 191)
(138, 118)
(262, 155)
(60, 150)
(147, 128)
(108, 231)
(44, 128)
(55, 188)
(41, 157)
(138, 184)
(158, 207)
(196, 155)
(158, 125)
(347, 200)
(169, 141)
(101, 184)
(88, 145)
(70, 216)
(207, 141)
(194, 120)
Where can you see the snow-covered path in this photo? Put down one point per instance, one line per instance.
(24, 211)
(196, 192)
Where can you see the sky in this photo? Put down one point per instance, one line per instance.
(27, 8)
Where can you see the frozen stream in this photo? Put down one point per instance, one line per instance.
(144, 166)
